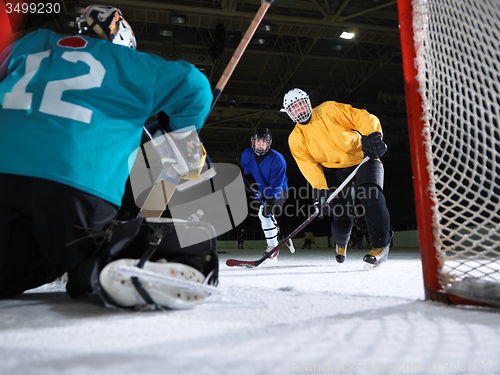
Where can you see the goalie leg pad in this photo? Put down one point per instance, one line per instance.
(170, 285)
(148, 240)
(157, 240)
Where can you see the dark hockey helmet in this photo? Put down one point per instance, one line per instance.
(108, 23)
(264, 134)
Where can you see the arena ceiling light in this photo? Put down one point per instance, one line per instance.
(347, 35)
(260, 41)
(178, 19)
(266, 27)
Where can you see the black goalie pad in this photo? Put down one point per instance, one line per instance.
(148, 239)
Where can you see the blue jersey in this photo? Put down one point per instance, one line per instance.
(269, 173)
(72, 109)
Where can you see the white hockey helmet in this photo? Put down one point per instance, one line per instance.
(297, 105)
(108, 23)
(200, 213)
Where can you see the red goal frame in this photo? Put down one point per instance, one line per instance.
(434, 290)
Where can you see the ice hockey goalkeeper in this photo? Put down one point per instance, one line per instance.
(72, 110)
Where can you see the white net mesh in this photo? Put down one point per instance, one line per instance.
(458, 61)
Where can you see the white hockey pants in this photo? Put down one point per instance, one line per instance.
(269, 228)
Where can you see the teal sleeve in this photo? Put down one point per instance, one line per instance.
(189, 100)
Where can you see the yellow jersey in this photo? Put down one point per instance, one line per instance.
(330, 140)
(309, 236)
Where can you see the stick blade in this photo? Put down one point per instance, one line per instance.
(158, 199)
(241, 263)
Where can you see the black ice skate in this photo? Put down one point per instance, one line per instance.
(376, 257)
(340, 253)
(273, 258)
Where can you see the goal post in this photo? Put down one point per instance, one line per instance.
(451, 61)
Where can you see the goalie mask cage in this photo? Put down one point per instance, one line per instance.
(451, 60)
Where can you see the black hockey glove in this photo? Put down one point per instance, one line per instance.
(373, 145)
(250, 184)
(162, 123)
(319, 200)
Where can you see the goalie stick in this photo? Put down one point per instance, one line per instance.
(163, 189)
(289, 244)
(255, 263)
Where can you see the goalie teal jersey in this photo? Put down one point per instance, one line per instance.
(50, 131)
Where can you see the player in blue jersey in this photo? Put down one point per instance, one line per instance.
(264, 174)
(72, 111)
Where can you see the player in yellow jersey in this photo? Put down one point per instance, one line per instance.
(328, 142)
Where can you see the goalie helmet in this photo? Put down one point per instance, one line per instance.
(298, 106)
(262, 134)
(108, 23)
(200, 213)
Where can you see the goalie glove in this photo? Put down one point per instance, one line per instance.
(183, 151)
(373, 145)
(190, 144)
(319, 201)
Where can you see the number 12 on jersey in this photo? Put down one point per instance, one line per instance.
(51, 102)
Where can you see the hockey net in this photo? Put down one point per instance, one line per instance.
(451, 58)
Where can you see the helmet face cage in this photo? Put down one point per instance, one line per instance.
(262, 134)
(107, 23)
(298, 106)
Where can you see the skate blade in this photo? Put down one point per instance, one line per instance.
(369, 266)
(340, 259)
(270, 261)
(378, 262)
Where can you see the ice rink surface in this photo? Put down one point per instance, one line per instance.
(303, 314)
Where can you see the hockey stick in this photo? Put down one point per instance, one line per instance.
(163, 189)
(255, 263)
(244, 243)
(289, 244)
(240, 49)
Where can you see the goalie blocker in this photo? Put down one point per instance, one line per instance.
(140, 264)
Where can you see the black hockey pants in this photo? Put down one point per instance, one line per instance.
(39, 220)
(368, 186)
